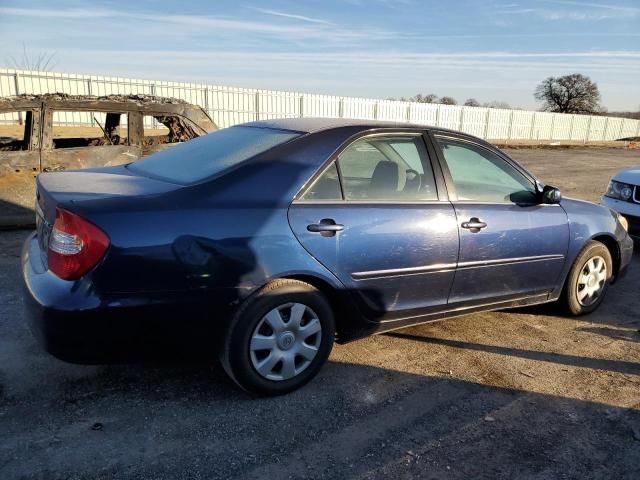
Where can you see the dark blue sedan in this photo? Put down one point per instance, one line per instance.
(271, 239)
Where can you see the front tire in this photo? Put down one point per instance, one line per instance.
(588, 279)
(279, 338)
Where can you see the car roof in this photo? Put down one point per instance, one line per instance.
(312, 125)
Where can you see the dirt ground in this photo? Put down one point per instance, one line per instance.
(526, 394)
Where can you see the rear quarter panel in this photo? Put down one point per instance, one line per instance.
(172, 249)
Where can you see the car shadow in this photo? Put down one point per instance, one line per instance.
(14, 216)
(614, 333)
(559, 358)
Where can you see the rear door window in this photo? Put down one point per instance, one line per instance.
(387, 168)
(378, 168)
(326, 187)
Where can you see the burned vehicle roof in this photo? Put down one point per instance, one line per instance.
(133, 102)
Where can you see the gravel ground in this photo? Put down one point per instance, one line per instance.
(522, 394)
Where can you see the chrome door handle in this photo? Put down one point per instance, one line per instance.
(318, 227)
(327, 227)
(474, 224)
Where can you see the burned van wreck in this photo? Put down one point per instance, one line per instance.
(55, 132)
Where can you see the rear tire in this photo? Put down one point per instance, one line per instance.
(279, 338)
(588, 280)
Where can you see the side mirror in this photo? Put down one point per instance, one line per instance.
(551, 195)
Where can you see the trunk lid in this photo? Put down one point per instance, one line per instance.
(72, 188)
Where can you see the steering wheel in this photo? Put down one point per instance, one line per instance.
(413, 181)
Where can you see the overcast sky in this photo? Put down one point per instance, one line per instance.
(486, 49)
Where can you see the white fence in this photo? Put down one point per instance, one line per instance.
(229, 106)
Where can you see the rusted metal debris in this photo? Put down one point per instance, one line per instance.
(45, 146)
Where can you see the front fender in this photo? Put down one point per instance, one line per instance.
(588, 221)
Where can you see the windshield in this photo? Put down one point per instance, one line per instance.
(204, 157)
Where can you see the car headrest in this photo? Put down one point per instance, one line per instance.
(387, 177)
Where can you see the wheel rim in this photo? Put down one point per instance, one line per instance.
(591, 281)
(285, 341)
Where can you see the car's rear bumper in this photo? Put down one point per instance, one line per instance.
(75, 324)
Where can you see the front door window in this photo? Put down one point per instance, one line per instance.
(480, 175)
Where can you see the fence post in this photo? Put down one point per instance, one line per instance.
(301, 106)
(533, 125)
(553, 124)
(510, 125)
(460, 119)
(586, 137)
(621, 127)
(257, 105)
(573, 117)
(638, 129)
(438, 116)
(205, 98)
(604, 130)
(152, 92)
(341, 107)
(486, 124)
(375, 110)
(408, 113)
(89, 92)
(17, 86)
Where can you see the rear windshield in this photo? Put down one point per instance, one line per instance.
(206, 156)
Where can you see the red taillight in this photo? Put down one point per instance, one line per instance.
(75, 245)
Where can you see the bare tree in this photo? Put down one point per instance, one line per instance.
(497, 104)
(41, 62)
(429, 98)
(574, 93)
(419, 98)
(447, 101)
(471, 102)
